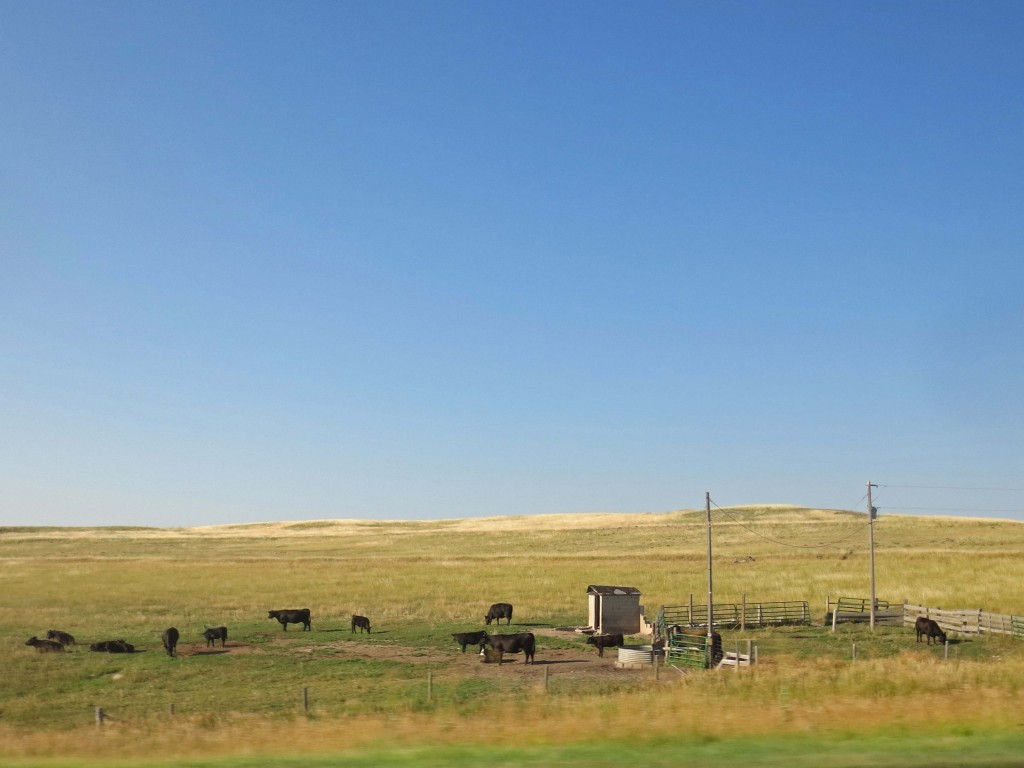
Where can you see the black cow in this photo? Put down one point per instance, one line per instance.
(215, 634)
(61, 637)
(45, 646)
(112, 646)
(291, 616)
(360, 621)
(929, 628)
(521, 641)
(604, 641)
(170, 640)
(470, 638)
(499, 611)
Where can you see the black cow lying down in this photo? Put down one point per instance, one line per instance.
(291, 616)
(61, 637)
(360, 621)
(929, 628)
(45, 646)
(112, 646)
(470, 638)
(604, 641)
(215, 634)
(521, 641)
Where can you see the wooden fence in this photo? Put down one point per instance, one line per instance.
(733, 615)
(858, 609)
(967, 621)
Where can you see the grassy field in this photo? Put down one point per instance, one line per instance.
(419, 581)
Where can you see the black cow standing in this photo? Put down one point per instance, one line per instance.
(170, 640)
(929, 628)
(521, 641)
(61, 637)
(291, 616)
(215, 634)
(499, 611)
(470, 638)
(362, 622)
(604, 641)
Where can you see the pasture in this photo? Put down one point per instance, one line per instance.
(404, 694)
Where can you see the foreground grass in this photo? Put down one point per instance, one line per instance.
(983, 749)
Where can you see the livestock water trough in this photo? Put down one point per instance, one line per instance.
(636, 656)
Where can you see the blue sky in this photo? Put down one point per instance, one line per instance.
(275, 261)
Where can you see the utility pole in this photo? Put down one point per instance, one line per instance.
(871, 550)
(711, 610)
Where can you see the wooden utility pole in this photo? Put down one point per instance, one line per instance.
(711, 609)
(871, 551)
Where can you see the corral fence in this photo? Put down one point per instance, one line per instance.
(967, 621)
(858, 609)
(732, 615)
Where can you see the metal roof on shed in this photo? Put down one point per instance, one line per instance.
(597, 589)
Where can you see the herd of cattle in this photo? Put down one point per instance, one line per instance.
(492, 647)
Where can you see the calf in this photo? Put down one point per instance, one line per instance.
(470, 638)
(604, 641)
(215, 634)
(291, 616)
(45, 646)
(362, 622)
(929, 629)
(61, 637)
(170, 640)
(522, 641)
(499, 611)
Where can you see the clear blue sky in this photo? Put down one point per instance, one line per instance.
(275, 261)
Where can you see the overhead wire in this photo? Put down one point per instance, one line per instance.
(786, 544)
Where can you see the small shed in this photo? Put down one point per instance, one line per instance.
(614, 609)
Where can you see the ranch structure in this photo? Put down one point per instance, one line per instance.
(614, 610)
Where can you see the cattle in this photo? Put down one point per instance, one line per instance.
(291, 616)
(929, 628)
(604, 641)
(521, 641)
(362, 622)
(170, 640)
(470, 638)
(215, 634)
(499, 611)
(45, 646)
(112, 646)
(61, 637)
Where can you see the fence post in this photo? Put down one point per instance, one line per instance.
(854, 651)
(946, 651)
(100, 716)
(689, 612)
(743, 616)
(305, 699)
(170, 709)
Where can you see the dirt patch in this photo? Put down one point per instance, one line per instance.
(582, 661)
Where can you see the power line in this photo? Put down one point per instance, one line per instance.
(953, 488)
(959, 509)
(783, 543)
